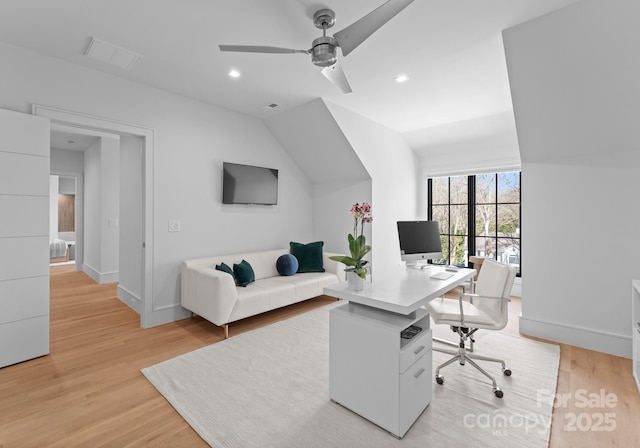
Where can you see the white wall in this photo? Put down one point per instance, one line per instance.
(467, 147)
(110, 209)
(93, 211)
(66, 185)
(53, 206)
(332, 220)
(67, 160)
(573, 76)
(393, 169)
(102, 205)
(313, 138)
(192, 139)
(131, 206)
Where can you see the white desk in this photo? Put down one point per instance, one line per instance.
(372, 370)
(402, 290)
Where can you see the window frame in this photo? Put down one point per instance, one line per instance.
(472, 205)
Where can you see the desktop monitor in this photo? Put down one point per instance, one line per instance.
(419, 241)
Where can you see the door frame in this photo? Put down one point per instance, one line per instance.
(79, 224)
(84, 121)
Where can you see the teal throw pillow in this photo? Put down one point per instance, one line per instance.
(309, 256)
(287, 264)
(244, 273)
(225, 268)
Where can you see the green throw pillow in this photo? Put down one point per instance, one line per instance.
(225, 268)
(244, 273)
(309, 256)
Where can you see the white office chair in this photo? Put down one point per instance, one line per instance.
(487, 309)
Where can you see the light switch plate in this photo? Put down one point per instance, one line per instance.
(174, 226)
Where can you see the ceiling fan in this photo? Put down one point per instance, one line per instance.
(323, 49)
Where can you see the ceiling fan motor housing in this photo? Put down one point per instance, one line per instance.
(324, 51)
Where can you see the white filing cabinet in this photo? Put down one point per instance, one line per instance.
(635, 324)
(376, 373)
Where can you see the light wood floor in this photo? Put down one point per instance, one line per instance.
(89, 392)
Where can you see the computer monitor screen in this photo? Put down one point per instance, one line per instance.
(419, 241)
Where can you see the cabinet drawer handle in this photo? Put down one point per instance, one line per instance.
(419, 349)
(418, 373)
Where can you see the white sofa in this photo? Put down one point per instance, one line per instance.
(212, 294)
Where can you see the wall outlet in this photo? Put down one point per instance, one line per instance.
(113, 222)
(174, 226)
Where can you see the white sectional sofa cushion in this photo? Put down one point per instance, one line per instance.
(213, 294)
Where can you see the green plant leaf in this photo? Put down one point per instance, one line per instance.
(354, 249)
(343, 259)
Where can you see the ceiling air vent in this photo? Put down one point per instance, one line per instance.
(111, 54)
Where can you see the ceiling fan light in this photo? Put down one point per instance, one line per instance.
(324, 51)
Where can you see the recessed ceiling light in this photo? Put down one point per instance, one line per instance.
(234, 73)
(402, 78)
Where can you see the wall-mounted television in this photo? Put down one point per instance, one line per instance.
(246, 184)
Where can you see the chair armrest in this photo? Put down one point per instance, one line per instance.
(209, 293)
(471, 297)
(478, 296)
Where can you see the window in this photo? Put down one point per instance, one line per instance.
(478, 215)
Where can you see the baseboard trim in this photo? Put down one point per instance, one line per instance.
(601, 341)
(100, 277)
(126, 296)
(109, 277)
(166, 314)
(91, 272)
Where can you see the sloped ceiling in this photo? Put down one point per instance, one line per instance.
(310, 134)
(451, 50)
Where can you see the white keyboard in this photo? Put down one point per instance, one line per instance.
(442, 275)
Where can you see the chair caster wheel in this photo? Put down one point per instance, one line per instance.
(498, 392)
(506, 372)
(439, 379)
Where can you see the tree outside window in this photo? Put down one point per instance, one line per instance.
(488, 225)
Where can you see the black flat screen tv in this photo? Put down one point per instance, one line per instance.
(246, 184)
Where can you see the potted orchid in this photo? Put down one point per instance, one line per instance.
(358, 248)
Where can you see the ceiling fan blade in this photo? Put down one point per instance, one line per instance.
(335, 74)
(260, 49)
(353, 35)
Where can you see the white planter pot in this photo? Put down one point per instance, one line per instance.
(355, 282)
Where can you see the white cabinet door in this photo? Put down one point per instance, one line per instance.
(24, 237)
(415, 390)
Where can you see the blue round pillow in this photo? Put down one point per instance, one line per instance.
(287, 264)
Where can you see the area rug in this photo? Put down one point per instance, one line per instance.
(270, 388)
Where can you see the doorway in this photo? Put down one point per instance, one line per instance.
(63, 218)
(149, 315)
